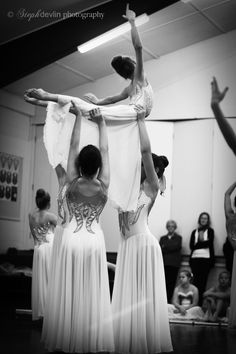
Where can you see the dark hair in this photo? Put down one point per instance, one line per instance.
(42, 199)
(187, 273)
(88, 160)
(209, 219)
(161, 162)
(124, 66)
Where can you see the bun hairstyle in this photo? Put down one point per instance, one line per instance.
(187, 273)
(88, 161)
(124, 66)
(161, 162)
(42, 199)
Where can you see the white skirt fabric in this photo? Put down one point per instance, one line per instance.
(139, 303)
(123, 138)
(40, 274)
(194, 313)
(78, 314)
(232, 311)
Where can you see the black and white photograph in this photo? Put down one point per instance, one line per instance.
(118, 176)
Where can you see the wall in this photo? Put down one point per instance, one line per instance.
(16, 137)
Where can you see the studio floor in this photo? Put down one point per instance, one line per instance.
(20, 335)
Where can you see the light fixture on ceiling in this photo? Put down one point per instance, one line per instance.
(116, 32)
(185, 1)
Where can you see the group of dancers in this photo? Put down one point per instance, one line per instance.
(78, 315)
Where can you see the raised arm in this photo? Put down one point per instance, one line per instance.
(225, 127)
(74, 144)
(104, 173)
(227, 201)
(139, 72)
(145, 146)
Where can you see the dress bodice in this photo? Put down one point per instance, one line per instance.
(136, 222)
(143, 95)
(84, 210)
(185, 299)
(40, 231)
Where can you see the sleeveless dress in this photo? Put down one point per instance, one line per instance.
(186, 299)
(78, 315)
(139, 302)
(231, 232)
(43, 239)
(123, 135)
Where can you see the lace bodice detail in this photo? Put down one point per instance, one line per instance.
(143, 96)
(40, 232)
(135, 222)
(84, 209)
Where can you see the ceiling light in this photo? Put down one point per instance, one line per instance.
(116, 32)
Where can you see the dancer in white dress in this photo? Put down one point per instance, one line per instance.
(42, 224)
(139, 297)
(78, 315)
(121, 121)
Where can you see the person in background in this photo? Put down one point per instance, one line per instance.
(42, 224)
(202, 255)
(171, 245)
(216, 300)
(185, 299)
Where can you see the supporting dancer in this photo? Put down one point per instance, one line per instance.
(230, 216)
(78, 315)
(139, 297)
(42, 224)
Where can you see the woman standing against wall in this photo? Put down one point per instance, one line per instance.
(42, 224)
(202, 255)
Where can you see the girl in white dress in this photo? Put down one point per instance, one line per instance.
(42, 224)
(78, 314)
(139, 297)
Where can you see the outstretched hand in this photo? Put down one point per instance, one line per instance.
(90, 97)
(216, 95)
(140, 112)
(39, 94)
(75, 109)
(96, 116)
(129, 15)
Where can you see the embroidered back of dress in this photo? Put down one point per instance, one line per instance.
(136, 222)
(85, 209)
(40, 231)
(143, 95)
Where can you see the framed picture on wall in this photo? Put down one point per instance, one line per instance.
(10, 185)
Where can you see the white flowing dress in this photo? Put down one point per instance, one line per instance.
(78, 315)
(123, 136)
(139, 302)
(231, 231)
(43, 238)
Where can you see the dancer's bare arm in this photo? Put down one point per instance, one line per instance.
(139, 72)
(226, 129)
(145, 146)
(104, 173)
(108, 100)
(74, 144)
(227, 201)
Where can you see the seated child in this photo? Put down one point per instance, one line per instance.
(185, 299)
(216, 300)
